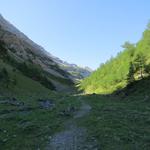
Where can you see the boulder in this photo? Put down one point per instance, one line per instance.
(46, 104)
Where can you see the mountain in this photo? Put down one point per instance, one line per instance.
(34, 115)
(133, 63)
(76, 72)
(21, 53)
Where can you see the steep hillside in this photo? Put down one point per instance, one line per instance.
(30, 113)
(133, 63)
(31, 59)
(143, 46)
(13, 83)
(111, 75)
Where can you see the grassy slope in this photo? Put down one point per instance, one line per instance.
(121, 122)
(25, 87)
(28, 126)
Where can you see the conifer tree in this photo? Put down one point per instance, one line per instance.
(130, 76)
(140, 64)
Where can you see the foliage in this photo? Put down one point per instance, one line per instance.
(117, 72)
(147, 69)
(130, 76)
(3, 50)
(140, 63)
(111, 75)
(35, 73)
(28, 69)
(120, 122)
(4, 77)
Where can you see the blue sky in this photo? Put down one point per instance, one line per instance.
(85, 32)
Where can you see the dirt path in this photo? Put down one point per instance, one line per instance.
(74, 137)
(85, 109)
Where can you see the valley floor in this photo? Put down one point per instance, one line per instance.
(73, 137)
(66, 122)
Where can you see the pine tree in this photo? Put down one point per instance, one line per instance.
(130, 76)
(140, 64)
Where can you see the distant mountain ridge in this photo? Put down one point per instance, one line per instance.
(76, 72)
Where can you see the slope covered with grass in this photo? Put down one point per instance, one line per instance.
(18, 84)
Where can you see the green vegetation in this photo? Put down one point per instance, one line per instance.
(14, 83)
(111, 75)
(33, 70)
(116, 121)
(132, 63)
(29, 126)
(31, 111)
(4, 78)
(121, 120)
(23, 122)
(35, 73)
(130, 76)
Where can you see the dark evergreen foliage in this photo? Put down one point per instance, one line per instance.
(4, 77)
(130, 76)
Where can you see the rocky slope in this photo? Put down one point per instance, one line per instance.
(76, 72)
(22, 50)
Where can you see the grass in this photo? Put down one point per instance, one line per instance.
(32, 129)
(29, 127)
(116, 121)
(120, 122)
(24, 85)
